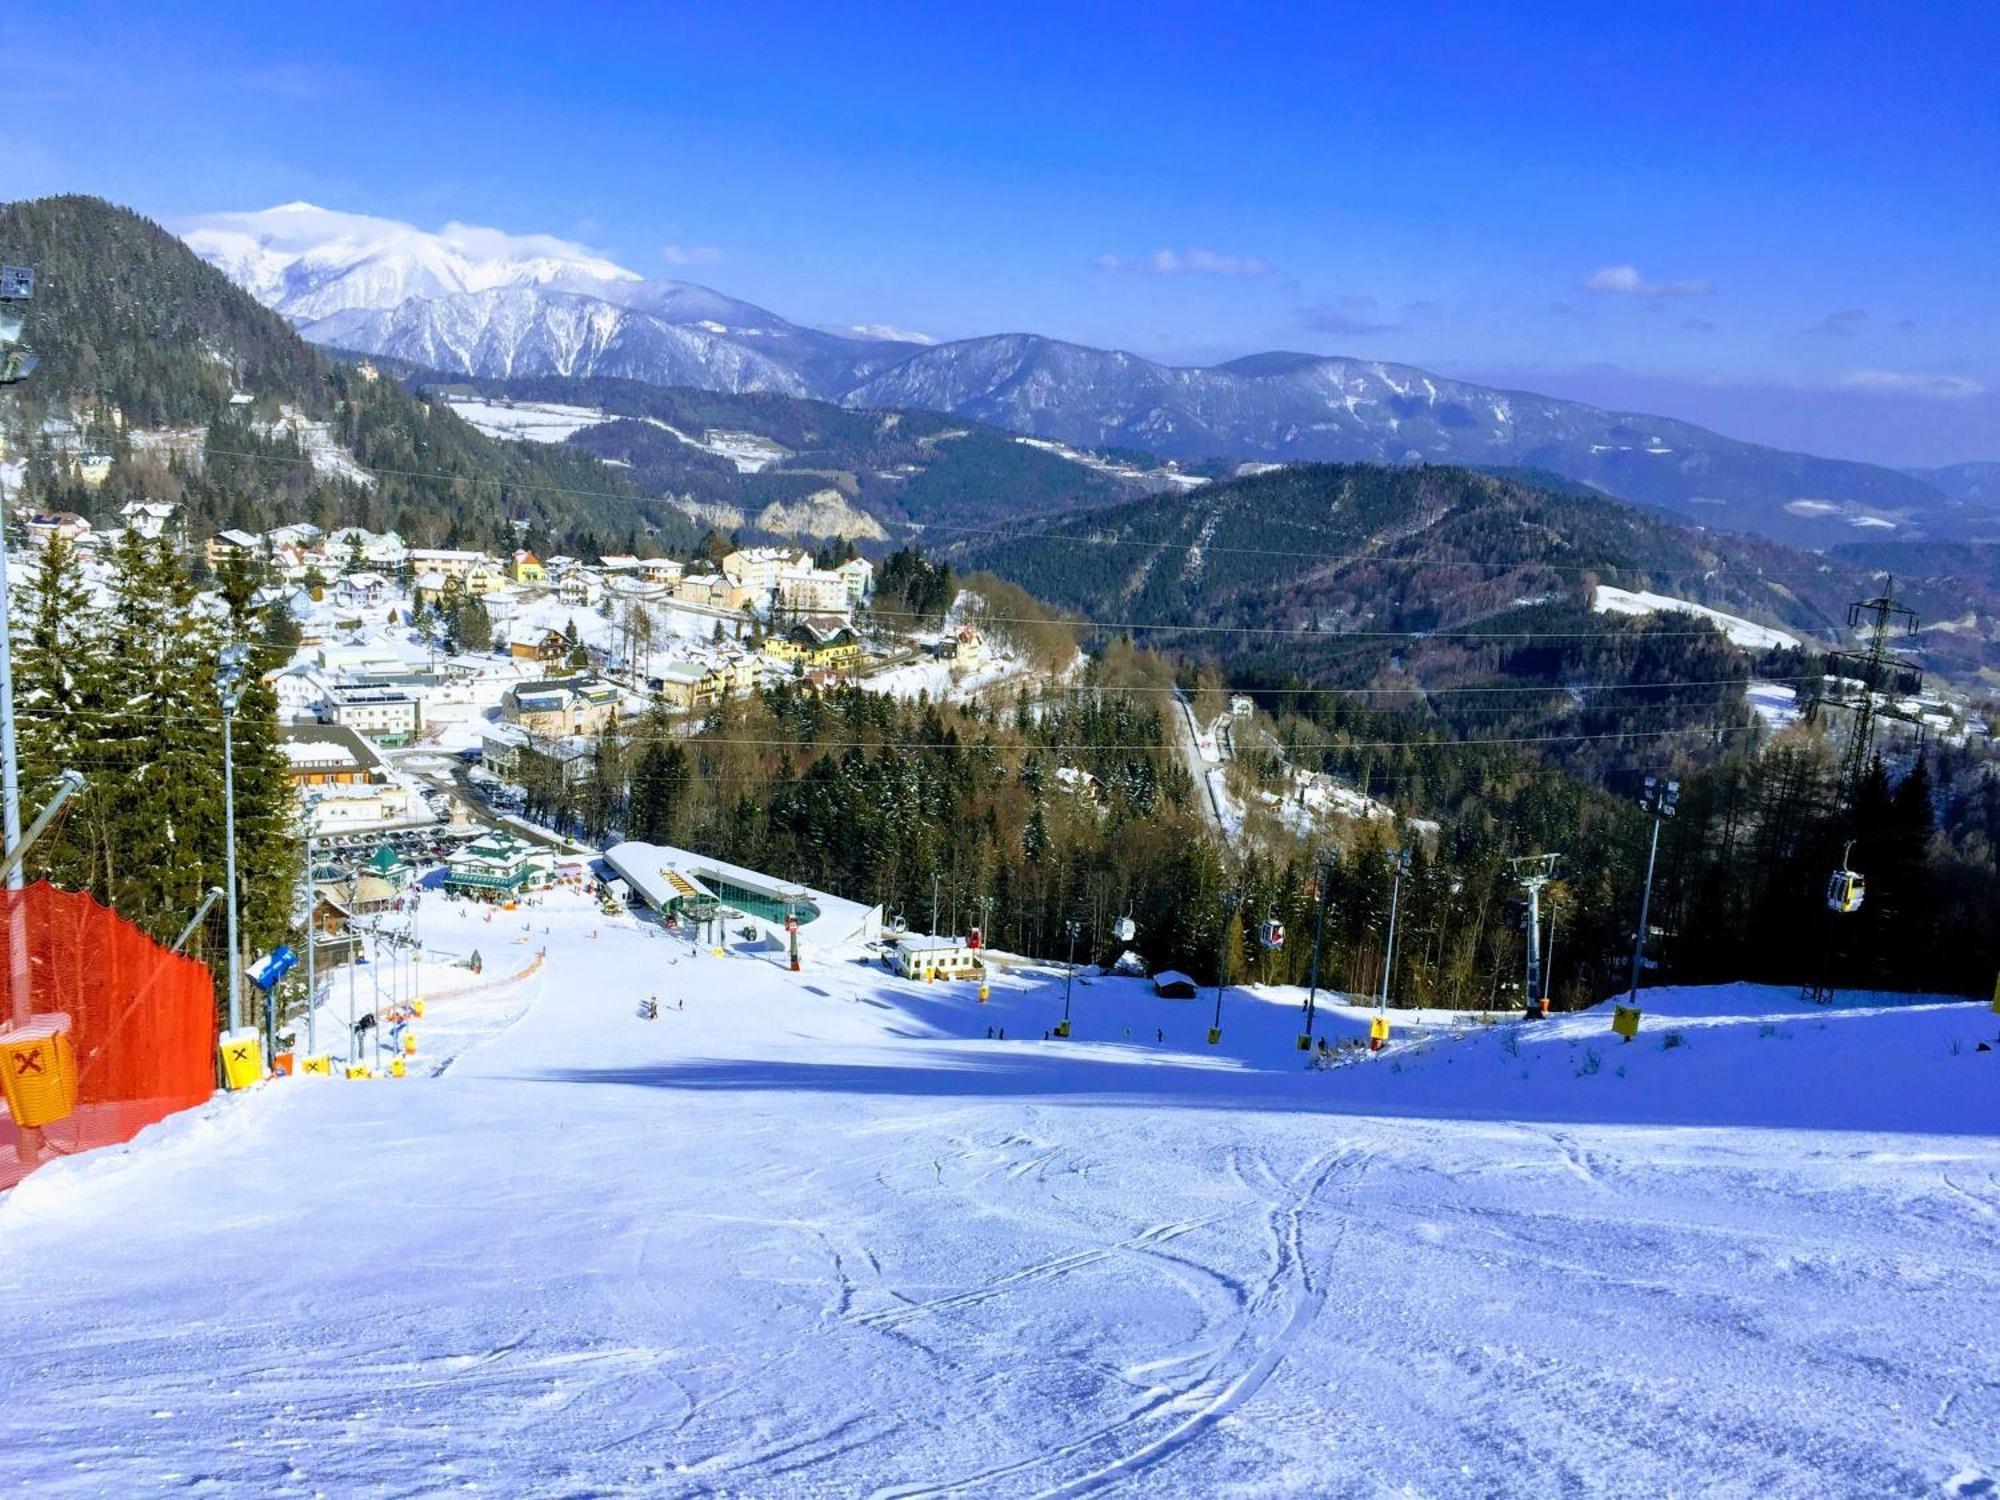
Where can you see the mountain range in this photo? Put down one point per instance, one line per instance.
(478, 302)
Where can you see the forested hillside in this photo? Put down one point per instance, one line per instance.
(195, 393)
(900, 466)
(1463, 596)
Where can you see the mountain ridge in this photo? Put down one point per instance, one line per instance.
(484, 303)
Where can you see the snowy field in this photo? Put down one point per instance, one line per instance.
(816, 1234)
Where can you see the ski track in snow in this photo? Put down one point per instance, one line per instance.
(825, 1239)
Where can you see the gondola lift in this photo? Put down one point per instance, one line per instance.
(1125, 929)
(1846, 890)
(1271, 936)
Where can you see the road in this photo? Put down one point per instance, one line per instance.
(1189, 735)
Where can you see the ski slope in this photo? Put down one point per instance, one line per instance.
(817, 1235)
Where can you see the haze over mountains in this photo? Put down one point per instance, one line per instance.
(479, 302)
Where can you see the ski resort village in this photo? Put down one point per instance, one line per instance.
(555, 1159)
(606, 891)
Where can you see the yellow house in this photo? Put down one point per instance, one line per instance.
(525, 567)
(483, 579)
(818, 641)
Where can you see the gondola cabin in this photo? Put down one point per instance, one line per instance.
(1846, 891)
(1271, 936)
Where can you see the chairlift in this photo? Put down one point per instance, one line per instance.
(1847, 889)
(1271, 936)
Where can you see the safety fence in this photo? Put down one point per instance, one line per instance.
(485, 984)
(140, 1039)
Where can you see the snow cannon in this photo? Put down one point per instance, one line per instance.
(1062, 1028)
(1625, 1021)
(1378, 1032)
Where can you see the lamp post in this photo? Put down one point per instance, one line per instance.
(1660, 798)
(1230, 901)
(228, 682)
(1327, 861)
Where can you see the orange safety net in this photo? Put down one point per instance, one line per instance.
(142, 1020)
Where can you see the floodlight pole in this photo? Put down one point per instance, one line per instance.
(1069, 975)
(1230, 901)
(1659, 797)
(226, 682)
(15, 285)
(1327, 861)
(312, 941)
(1399, 862)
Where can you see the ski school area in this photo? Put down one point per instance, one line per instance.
(651, 1212)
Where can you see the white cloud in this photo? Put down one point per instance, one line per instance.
(294, 228)
(1625, 281)
(1187, 262)
(690, 255)
(1900, 383)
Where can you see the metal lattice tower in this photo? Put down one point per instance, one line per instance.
(1878, 671)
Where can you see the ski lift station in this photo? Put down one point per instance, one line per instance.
(666, 879)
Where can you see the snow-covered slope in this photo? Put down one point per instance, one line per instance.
(818, 1234)
(1614, 601)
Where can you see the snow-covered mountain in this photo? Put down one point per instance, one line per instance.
(474, 301)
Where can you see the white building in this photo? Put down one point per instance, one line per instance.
(937, 958)
(387, 715)
(815, 593)
(150, 518)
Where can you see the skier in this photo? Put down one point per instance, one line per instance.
(989, 1033)
(1160, 1034)
(681, 1004)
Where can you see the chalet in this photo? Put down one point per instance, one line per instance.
(149, 518)
(326, 755)
(231, 544)
(525, 567)
(530, 643)
(1171, 984)
(818, 641)
(498, 866)
(42, 526)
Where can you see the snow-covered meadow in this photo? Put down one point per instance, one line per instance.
(818, 1234)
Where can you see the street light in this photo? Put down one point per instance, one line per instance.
(1328, 860)
(229, 686)
(1659, 798)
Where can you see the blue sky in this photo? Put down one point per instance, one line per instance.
(1780, 221)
